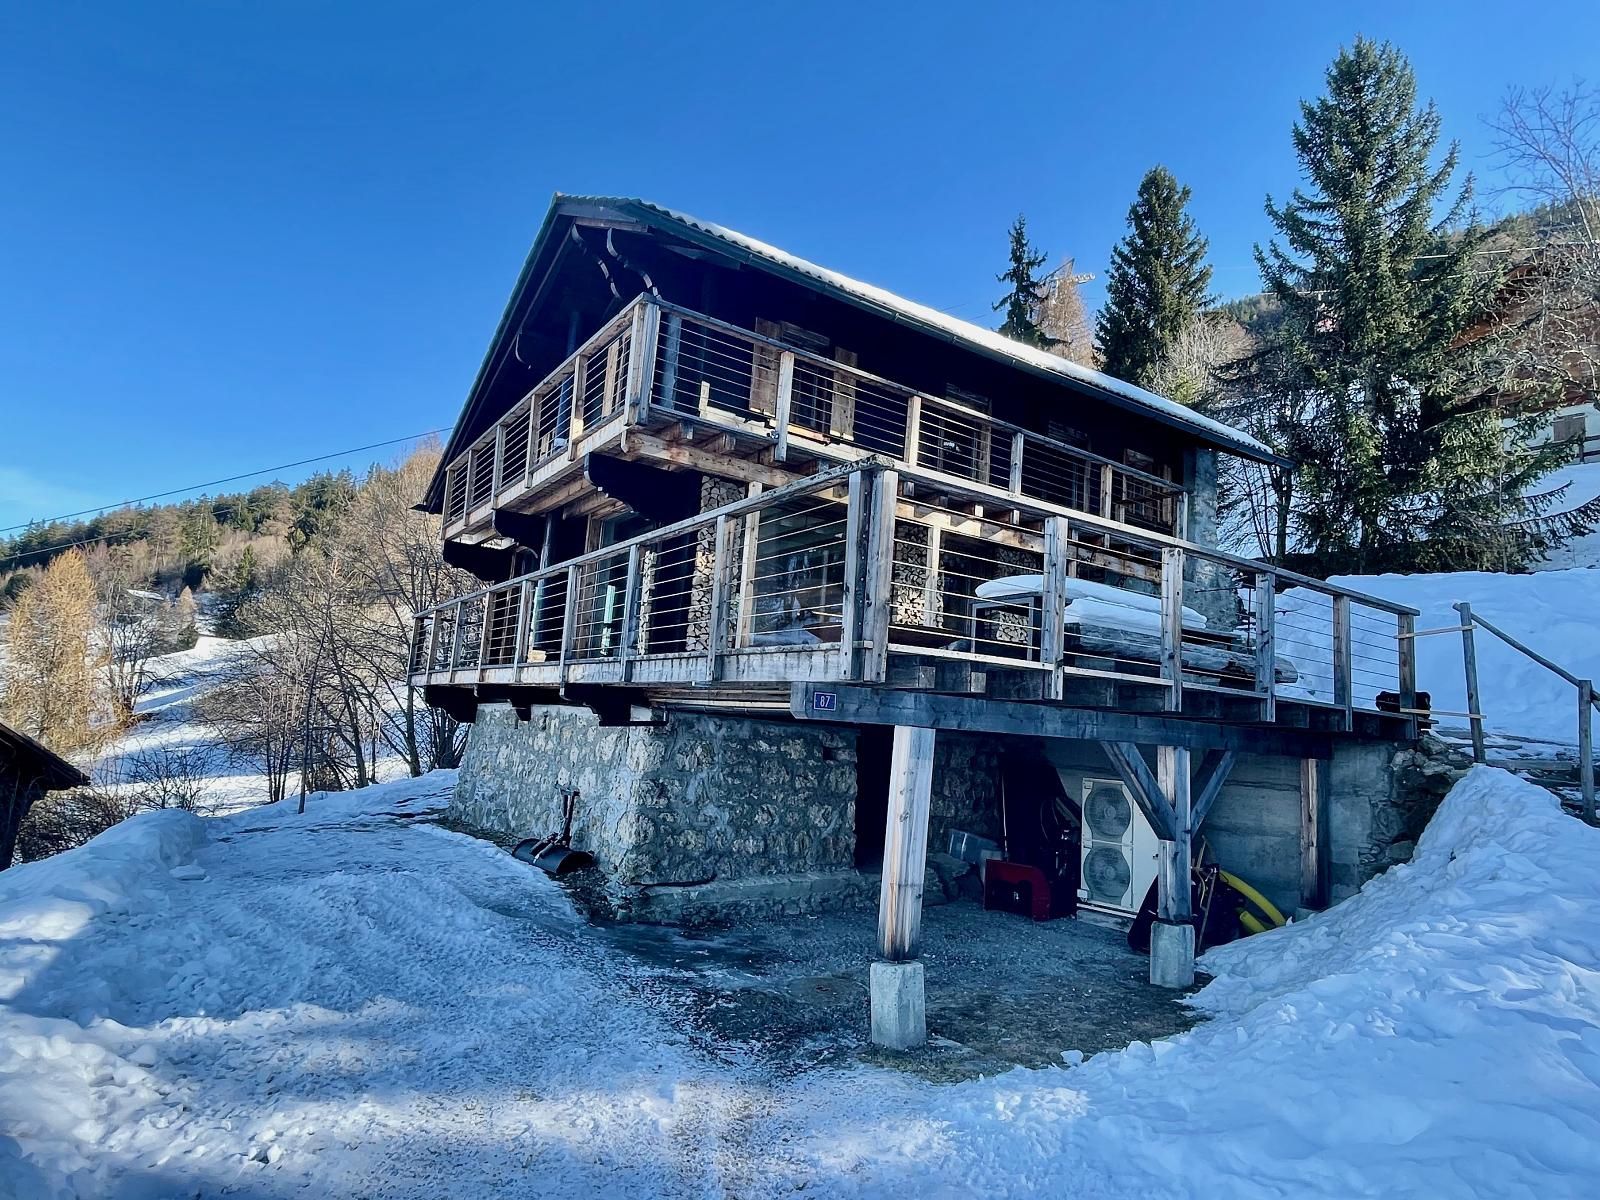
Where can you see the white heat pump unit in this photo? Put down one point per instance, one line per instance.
(1121, 853)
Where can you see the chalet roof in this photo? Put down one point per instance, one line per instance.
(42, 763)
(975, 336)
(719, 239)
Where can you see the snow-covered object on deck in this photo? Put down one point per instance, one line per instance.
(1091, 603)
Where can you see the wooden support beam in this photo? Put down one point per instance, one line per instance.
(1173, 886)
(1314, 846)
(698, 458)
(1209, 781)
(905, 844)
(853, 704)
(1142, 784)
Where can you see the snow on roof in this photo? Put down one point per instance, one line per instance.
(965, 331)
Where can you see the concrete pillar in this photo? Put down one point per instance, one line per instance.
(1172, 954)
(899, 1012)
(899, 1019)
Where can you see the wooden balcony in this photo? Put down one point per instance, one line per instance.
(854, 576)
(656, 367)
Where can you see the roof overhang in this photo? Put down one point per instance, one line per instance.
(45, 765)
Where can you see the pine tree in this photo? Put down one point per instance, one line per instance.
(1404, 465)
(1158, 281)
(1027, 291)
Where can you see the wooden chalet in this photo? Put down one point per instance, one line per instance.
(698, 474)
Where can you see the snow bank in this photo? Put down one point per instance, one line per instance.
(1438, 1035)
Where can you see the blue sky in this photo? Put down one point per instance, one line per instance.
(239, 234)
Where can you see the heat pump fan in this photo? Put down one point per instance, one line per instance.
(1120, 853)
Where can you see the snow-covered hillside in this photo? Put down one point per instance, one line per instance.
(357, 1003)
(1582, 481)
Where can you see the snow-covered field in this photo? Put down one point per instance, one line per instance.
(358, 1003)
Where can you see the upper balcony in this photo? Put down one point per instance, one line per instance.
(655, 365)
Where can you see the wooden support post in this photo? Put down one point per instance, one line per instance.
(860, 489)
(433, 642)
(1172, 776)
(1343, 675)
(1469, 661)
(905, 843)
(749, 553)
(1053, 602)
(1108, 485)
(499, 462)
(455, 637)
(1314, 845)
(1172, 625)
(913, 429)
(781, 413)
(1266, 646)
(569, 621)
(1017, 443)
(608, 383)
(632, 597)
(1586, 746)
(1180, 516)
(878, 601)
(717, 618)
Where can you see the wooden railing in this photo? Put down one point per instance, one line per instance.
(841, 574)
(657, 357)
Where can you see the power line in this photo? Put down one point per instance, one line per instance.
(83, 512)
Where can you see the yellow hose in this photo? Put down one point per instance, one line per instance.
(1268, 909)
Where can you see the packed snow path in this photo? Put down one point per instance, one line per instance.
(354, 1003)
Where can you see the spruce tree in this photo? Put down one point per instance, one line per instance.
(1404, 465)
(1157, 285)
(1027, 291)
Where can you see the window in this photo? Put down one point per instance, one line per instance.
(1568, 428)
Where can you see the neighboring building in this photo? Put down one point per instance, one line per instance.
(27, 771)
(752, 531)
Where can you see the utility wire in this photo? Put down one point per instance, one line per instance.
(83, 512)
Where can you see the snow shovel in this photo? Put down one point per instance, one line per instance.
(553, 855)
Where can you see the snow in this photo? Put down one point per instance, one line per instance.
(354, 1002)
(1554, 612)
(1582, 481)
(1091, 603)
(1215, 430)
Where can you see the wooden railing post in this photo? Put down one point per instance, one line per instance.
(455, 637)
(748, 566)
(913, 428)
(1343, 676)
(569, 621)
(433, 642)
(498, 481)
(856, 501)
(642, 360)
(785, 401)
(631, 602)
(580, 369)
(669, 360)
(1406, 665)
(1586, 746)
(879, 598)
(483, 634)
(1172, 625)
(1266, 645)
(1469, 662)
(1018, 442)
(519, 653)
(1052, 618)
(717, 618)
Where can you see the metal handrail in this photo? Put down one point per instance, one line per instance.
(1587, 700)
